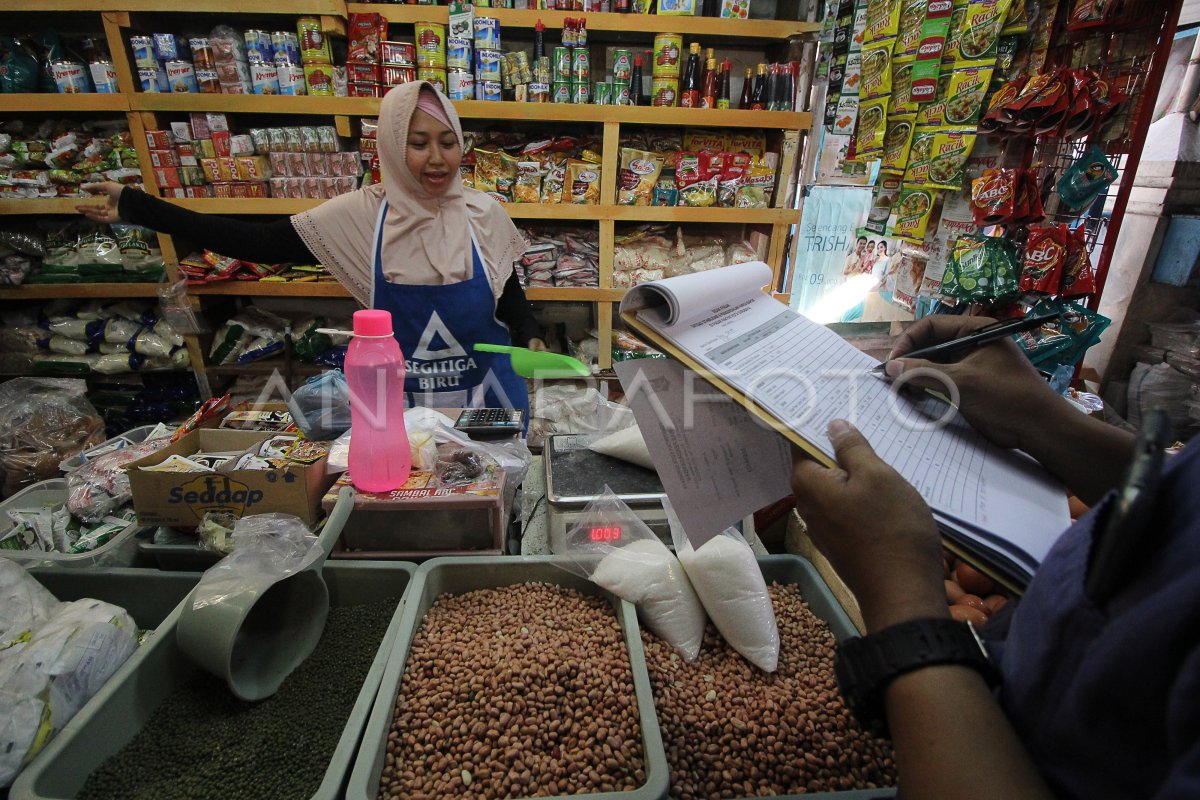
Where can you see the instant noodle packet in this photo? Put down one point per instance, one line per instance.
(980, 30)
(877, 68)
(554, 180)
(872, 127)
(902, 73)
(528, 188)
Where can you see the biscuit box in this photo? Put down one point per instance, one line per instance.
(183, 498)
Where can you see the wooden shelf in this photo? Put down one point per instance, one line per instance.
(578, 294)
(22, 103)
(270, 289)
(46, 205)
(475, 109)
(51, 291)
(732, 216)
(754, 30)
(292, 7)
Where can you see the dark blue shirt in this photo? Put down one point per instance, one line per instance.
(1107, 701)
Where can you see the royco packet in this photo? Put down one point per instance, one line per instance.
(960, 97)
(757, 186)
(733, 172)
(897, 142)
(872, 127)
(912, 212)
(883, 19)
(583, 179)
(638, 176)
(980, 31)
(697, 176)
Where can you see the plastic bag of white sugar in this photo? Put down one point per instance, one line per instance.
(725, 575)
(615, 549)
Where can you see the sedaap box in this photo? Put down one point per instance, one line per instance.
(183, 498)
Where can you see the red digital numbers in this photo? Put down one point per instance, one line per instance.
(609, 534)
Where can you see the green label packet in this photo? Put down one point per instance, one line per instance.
(929, 51)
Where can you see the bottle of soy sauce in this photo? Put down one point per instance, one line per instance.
(758, 100)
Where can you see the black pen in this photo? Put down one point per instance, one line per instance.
(988, 333)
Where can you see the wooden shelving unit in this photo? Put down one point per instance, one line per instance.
(146, 111)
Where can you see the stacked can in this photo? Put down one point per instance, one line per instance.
(668, 50)
(260, 52)
(488, 58)
(431, 53)
(622, 71)
(205, 64)
(560, 63)
(399, 64)
(104, 75)
(288, 64)
(542, 78)
(581, 75)
(315, 56)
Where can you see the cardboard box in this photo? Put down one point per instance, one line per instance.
(183, 498)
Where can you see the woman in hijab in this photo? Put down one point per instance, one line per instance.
(435, 254)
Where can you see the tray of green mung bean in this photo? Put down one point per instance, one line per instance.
(162, 728)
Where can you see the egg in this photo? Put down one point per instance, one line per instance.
(953, 592)
(968, 614)
(994, 602)
(973, 601)
(972, 580)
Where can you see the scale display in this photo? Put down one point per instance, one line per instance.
(608, 533)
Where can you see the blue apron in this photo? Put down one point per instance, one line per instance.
(437, 328)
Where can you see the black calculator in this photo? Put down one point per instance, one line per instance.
(484, 423)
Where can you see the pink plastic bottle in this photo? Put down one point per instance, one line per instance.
(379, 452)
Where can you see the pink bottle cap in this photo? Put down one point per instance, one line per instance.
(372, 322)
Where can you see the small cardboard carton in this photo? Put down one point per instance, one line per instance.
(183, 498)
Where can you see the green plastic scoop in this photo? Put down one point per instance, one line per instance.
(535, 364)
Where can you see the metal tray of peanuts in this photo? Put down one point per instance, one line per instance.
(132, 738)
(510, 677)
(731, 730)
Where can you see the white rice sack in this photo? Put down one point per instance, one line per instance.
(626, 444)
(26, 603)
(725, 575)
(648, 575)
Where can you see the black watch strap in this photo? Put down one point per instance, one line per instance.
(865, 665)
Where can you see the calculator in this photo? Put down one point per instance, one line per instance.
(481, 423)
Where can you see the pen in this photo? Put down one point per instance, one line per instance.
(988, 333)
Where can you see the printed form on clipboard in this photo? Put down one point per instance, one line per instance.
(997, 507)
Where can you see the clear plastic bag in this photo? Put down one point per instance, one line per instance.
(43, 421)
(102, 485)
(266, 547)
(614, 549)
(321, 407)
(726, 577)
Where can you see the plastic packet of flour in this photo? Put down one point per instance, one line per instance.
(613, 548)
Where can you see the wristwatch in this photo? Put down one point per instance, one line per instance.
(865, 665)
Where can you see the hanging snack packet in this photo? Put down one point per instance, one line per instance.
(998, 114)
(665, 192)
(932, 42)
(981, 28)
(1078, 277)
(948, 161)
(528, 188)
(487, 169)
(883, 20)
(638, 176)
(902, 74)
(896, 143)
(583, 179)
(908, 35)
(1017, 20)
(972, 268)
(696, 180)
(872, 127)
(994, 197)
(965, 94)
(913, 210)
(1045, 255)
(951, 52)
(920, 155)
(555, 178)
(1086, 179)
(1005, 263)
(733, 175)
(877, 68)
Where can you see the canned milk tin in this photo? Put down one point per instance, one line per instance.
(538, 93)
(164, 84)
(603, 93)
(664, 92)
(259, 49)
(208, 82)
(487, 65)
(181, 77)
(70, 76)
(435, 76)
(487, 33)
(458, 54)
(581, 69)
(165, 47)
(667, 50)
(622, 65)
(460, 84)
(202, 54)
(104, 76)
(143, 52)
(561, 64)
(291, 79)
(561, 92)
(581, 91)
(487, 90)
(148, 77)
(264, 77)
(287, 48)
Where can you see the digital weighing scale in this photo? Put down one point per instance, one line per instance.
(576, 475)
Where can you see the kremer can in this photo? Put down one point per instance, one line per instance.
(70, 76)
(460, 84)
(291, 79)
(104, 76)
(264, 77)
(181, 77)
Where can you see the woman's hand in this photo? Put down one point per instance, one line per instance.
(111, 191)
(874, 528)
(538, 346)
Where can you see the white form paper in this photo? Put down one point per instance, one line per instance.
(717, 462)
(806, 375)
